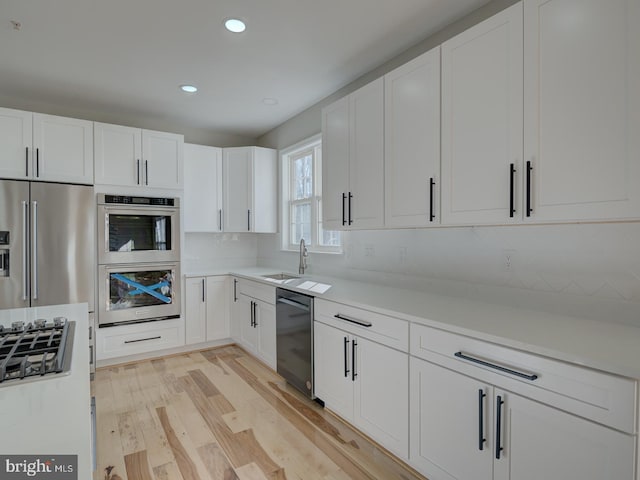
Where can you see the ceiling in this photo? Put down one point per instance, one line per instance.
(130, 56)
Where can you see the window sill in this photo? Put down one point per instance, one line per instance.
(309, 250)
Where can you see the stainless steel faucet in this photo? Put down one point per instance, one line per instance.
(303, 257)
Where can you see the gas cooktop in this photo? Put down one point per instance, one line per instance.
(35, 350)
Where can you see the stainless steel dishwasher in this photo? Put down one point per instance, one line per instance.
(294, 334)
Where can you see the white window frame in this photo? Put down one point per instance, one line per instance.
(286, 167)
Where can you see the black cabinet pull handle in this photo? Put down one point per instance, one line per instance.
(220, 219)
(143, 339)
(350, 219)
(499, 447)
(346, 354)
(255, 317)
(203, 291)
(362, 323)
(138, 171)
(528, 376)
(481, 438)
(529, 168)
(252, 313)
(235, 290)
(248, 220)
(432, 184)
(512, 173)
(344, 216)
(37, 162)
(354, 344)
(146, 172)
(26, 161)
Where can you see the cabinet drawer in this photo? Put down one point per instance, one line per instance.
(601, 397)
(138, 338)
(257, 290)
(383, 329)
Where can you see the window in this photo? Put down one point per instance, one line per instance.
(302, 199)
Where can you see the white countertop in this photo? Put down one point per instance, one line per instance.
(603, 345)
(50, 415)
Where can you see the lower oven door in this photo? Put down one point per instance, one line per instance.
(135, 293)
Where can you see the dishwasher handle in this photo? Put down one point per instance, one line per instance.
(293, 303)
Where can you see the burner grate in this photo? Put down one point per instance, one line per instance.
(37, 349)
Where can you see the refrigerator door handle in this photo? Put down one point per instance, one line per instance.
(25, 275)
(34, 254)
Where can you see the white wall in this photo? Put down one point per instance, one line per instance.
(591, 270)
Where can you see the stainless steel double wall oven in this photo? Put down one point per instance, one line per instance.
(139, 259)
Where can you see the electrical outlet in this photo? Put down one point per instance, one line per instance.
(508, 259)
(402, 255)
(369, 251)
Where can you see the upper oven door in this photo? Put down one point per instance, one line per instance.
(138, 234)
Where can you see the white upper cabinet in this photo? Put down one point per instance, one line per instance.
(412, 142)
(482, 118)
(202, 188)
(582, 108)
(353, 160)
(16, 141)
(335, 164)
(128, 156)
(45, 147)
(250, 194)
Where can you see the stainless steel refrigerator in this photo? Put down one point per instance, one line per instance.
(47, 244)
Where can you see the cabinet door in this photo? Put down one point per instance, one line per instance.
(582, 108)
(15, 144)
(382, 394)
(266, 325)
(335, 164)
(264, 190)
(163, 156)
(236, 310)
(482, 120)
(202, 188)
(217, 308)
(541, 442)
(445, 424)
(64, 149)
(332, 369)
(412, 142)
(236, 171)
(118, 155)
(366, 156)
(195, 310)
(248, 332)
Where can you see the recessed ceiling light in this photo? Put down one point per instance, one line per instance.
(270, 101)
(235, 25)
(189, 88)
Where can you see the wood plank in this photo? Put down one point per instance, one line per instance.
(138, 466)
(167, 471)
(250, 471)
(208, 388)
(217, 464)
(236, 422)
(130, 434)
(183, 460)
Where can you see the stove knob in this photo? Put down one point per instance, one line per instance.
(40, 323)
(59, 321)
(17, 326)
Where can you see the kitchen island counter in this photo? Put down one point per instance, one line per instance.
(50, 415)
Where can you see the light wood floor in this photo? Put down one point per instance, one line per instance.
(221, 414)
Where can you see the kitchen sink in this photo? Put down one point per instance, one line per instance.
(280, 276)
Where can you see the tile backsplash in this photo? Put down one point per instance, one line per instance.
(202, 251)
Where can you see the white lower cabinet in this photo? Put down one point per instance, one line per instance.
(207, 313)
(253, 319)
(363, 381)
(463, 428)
